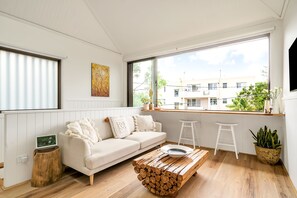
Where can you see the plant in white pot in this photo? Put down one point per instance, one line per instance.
(267, 145)
(145, 101)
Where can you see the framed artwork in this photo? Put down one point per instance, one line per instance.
(100, 80)
(46, 141)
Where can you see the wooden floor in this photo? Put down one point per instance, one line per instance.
(220, 176)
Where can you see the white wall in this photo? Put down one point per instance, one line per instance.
(290, 99)
(207, 129)
(22, 128)
(76, 89)
(76, 68)
(1, 142)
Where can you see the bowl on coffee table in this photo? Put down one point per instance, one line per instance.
(176, 150)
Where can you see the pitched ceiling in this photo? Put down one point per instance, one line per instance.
(130, 26)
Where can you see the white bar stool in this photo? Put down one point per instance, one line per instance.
(230, 128)
(187, 124)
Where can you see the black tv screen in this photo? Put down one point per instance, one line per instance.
(293, 66)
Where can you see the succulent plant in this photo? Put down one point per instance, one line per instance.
(266, 139)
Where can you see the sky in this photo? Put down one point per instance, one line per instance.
(246, 58)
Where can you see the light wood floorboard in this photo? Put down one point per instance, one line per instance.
(220, 176)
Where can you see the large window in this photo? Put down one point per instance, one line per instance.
(212, 75)
(141, 76)
(28, 81)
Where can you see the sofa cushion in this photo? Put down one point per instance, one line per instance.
(146, 138)
(131, 123)
(144, 123)
(119, 127)
(104, 129)
(109, 150)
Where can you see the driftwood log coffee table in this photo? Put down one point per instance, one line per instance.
(164, 175)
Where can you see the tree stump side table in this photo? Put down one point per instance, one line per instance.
(47, 167)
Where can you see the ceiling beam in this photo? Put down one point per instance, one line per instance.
(87, 3)
(275, 13)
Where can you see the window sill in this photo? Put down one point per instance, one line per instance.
(217, 112)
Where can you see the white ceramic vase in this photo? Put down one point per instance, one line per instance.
(276, 105)
(145, 107)
(267, 106)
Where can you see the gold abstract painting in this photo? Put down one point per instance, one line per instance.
(100, 80)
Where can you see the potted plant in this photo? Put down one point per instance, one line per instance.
(145, 100)
(267, 145)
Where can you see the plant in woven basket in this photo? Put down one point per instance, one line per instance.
(268, 146)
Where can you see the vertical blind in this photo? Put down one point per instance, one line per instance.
(27, 82)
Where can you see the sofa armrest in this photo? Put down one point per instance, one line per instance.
(158, 126)
(74, 151)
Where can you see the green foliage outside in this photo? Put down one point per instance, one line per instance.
(140, 95)
(251, 98)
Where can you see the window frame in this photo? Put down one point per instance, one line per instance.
(25, 53)
(233, 41)
(213, 101)
(240, 85)
(225, 100)
(225, 87)
(176, 93)
(212, 86)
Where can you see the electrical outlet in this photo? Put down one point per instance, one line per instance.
(21, 159)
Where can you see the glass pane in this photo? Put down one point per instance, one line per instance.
(142, 73)
(27, 82)
(216, 75)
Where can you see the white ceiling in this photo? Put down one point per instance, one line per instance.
(130, 26)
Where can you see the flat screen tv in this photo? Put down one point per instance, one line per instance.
(293, 66)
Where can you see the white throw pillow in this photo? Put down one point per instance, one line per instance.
(92, 122)
(144, 123)
(89, 130)
(74, 127)
(83, 129)
(119, 127)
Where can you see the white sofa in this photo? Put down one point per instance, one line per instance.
(89, 159)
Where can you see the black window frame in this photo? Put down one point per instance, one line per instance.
(43, 57)
(130, 68)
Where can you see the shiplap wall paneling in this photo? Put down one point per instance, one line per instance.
(22, 129)
(31, 134)
(11, 147)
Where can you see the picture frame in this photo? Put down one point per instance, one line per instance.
(100, 80)
(46, 141)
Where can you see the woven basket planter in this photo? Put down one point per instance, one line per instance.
(268, 156)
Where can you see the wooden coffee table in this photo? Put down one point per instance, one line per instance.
(164, 175)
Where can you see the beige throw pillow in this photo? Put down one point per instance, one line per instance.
(144, 123)
(119, 127)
